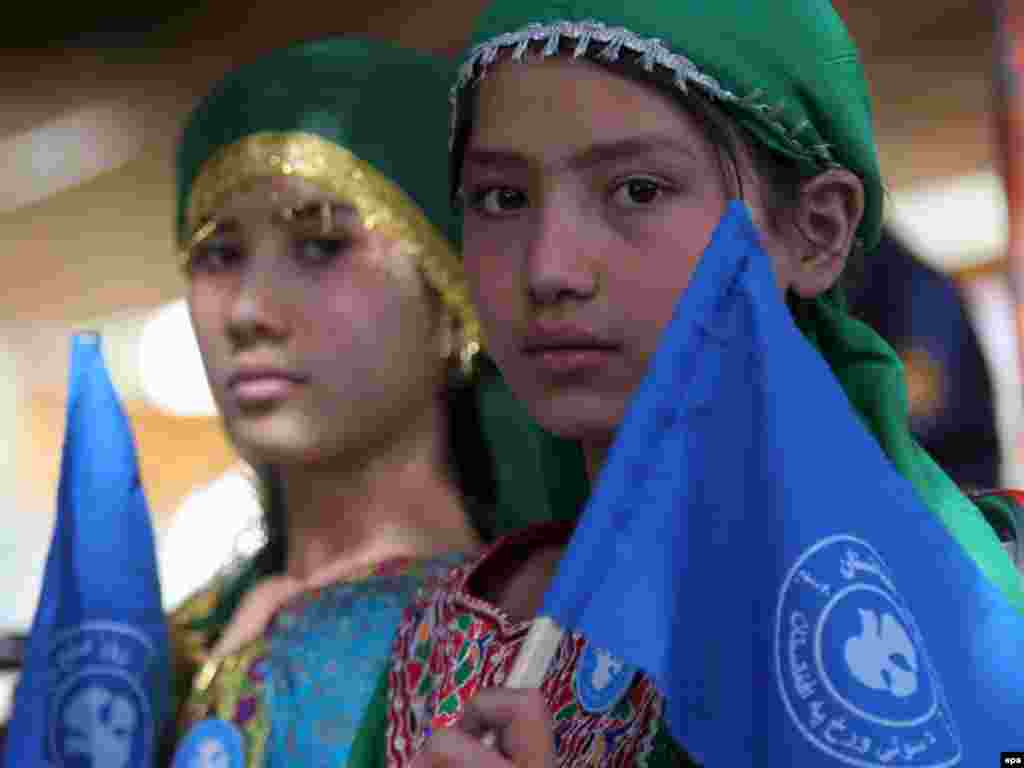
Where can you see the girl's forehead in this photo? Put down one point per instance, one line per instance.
(561, 106)
(265, 193)
(264, 203)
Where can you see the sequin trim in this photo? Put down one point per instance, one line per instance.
(590, 34)
(380, 203)
(190, 644)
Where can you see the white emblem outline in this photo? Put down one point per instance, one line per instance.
(223, 732)
(619, 683)
(942, 706)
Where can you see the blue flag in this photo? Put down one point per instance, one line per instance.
(95, 682)
(750, 547)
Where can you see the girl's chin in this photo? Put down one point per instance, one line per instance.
(274, 443)
(574, 416)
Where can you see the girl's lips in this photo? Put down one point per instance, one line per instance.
(253, 385)
(571, 360)
(264, 389)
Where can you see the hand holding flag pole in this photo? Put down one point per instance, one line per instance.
(535, 656)
(95, 682)
(531, 662)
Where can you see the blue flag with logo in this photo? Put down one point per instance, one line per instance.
(750, 547)
(95, 681)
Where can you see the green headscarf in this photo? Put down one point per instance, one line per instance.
(335, 113)
(360, 95)
(788, 73)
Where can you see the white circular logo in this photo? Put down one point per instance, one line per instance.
(211, 743)
(99, 714)
(851, 666)
(601, 680)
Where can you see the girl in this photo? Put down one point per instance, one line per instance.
(596, 149)
(339, 342)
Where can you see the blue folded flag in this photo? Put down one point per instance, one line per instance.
(94, 687)
(750, 547)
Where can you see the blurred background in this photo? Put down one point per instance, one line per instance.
(92, 104)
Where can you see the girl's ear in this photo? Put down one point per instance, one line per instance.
(828, 212)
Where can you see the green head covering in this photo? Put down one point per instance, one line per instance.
(338, 113)
(358, 94)
(787, 71)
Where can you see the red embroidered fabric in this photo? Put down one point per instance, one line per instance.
(452, 643)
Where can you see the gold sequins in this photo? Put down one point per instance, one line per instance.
(202, 233)
(381, 204)
(206, 674)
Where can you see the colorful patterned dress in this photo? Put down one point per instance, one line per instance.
(300, 691)
(452, 643)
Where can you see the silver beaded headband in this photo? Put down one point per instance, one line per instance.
(590, 34)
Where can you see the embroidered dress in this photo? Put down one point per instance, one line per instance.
(452, 644)
(299, 692)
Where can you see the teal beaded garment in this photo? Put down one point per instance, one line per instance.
(299, 693)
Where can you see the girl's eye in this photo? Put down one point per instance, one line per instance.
(497, 201)
(321, 251)
(212, 257)
(638, 192)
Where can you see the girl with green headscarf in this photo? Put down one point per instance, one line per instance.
(596, 145)
(339, 341)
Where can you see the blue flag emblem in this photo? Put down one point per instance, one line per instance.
(750, 547)
(96, 677)
(211, 743)
(601, 680)
(853, 670)
(99, 710)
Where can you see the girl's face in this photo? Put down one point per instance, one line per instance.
(319, 337)
(588, 200)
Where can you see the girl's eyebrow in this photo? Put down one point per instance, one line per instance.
(595, 155)
(324, 214)
(314, 209)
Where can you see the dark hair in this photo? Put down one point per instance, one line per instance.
(470, 461)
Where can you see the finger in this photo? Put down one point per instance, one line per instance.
(454, 748)
(520, 721)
